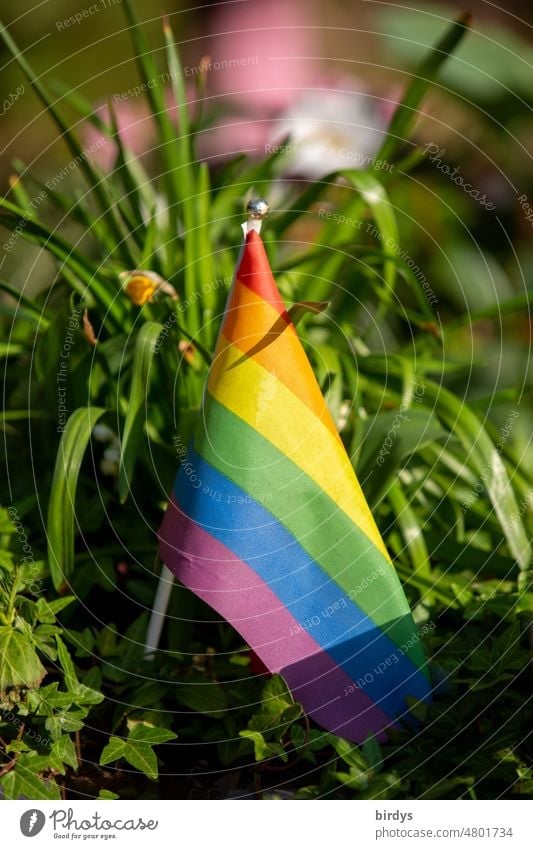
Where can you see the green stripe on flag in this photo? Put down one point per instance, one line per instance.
(342, 550)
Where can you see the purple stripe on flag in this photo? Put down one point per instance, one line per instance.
(233, 589)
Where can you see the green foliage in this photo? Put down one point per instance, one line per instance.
(37, 722)
(82, 708)
(61, 506)
(133, 424)
(137, 748)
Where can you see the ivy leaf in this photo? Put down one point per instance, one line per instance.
(19, 664)
(64, 750)
(107, 794)
(262, 748)
(139, 755)
(350, 753)
(142, 757)
(65, 722)
(113, 751)
(82, 695)
(141, 733)
(45, 700)
(19, 784)
(47, 610)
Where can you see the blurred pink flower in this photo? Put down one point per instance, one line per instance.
(266, 50)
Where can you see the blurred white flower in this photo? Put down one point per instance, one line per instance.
(330, 130)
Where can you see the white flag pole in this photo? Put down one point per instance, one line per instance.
(257, 209)
(159, 611)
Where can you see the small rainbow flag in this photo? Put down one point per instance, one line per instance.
(267, 523)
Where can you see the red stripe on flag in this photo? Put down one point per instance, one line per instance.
(254, 272)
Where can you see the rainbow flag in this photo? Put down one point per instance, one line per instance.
(267, 523)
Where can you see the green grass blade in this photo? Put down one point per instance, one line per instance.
(187, 178)
(75, 208)
(93, 179)
(485, 460)
(140, 383)
(37, 232)
(206, 272)
(25, 303)
(61, 506)
(128, 180)
(406, 113)
(151, 76)
(374, 194)
(411, 532)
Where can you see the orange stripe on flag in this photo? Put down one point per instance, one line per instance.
(259, 331)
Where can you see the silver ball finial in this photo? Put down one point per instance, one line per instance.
(257, 208)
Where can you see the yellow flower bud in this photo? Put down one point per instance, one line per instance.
(141, 286)
(140, 289)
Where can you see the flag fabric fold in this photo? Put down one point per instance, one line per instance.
(268, 524)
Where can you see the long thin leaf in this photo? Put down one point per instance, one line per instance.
(37, 232)
(79, 154)
(187, 180)
(156, 97)
(411, 532)
(140, 383)
(61, 507)
(376, 197)
(484, 458)
(26, 305)
(405, 115)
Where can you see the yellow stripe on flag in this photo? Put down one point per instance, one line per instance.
(256, 395)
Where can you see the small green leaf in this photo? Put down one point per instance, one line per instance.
(48, 698)
(141, 733)
(80, 693)
(113, 751)
(107, 794)
(64, 749)
(350, 753)
(71, 679)
(19, 664)
(206, 697)
(142, 757)
(65, 722)
(59, 604)
(262, 748)
(372, 753)
(19, 783)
